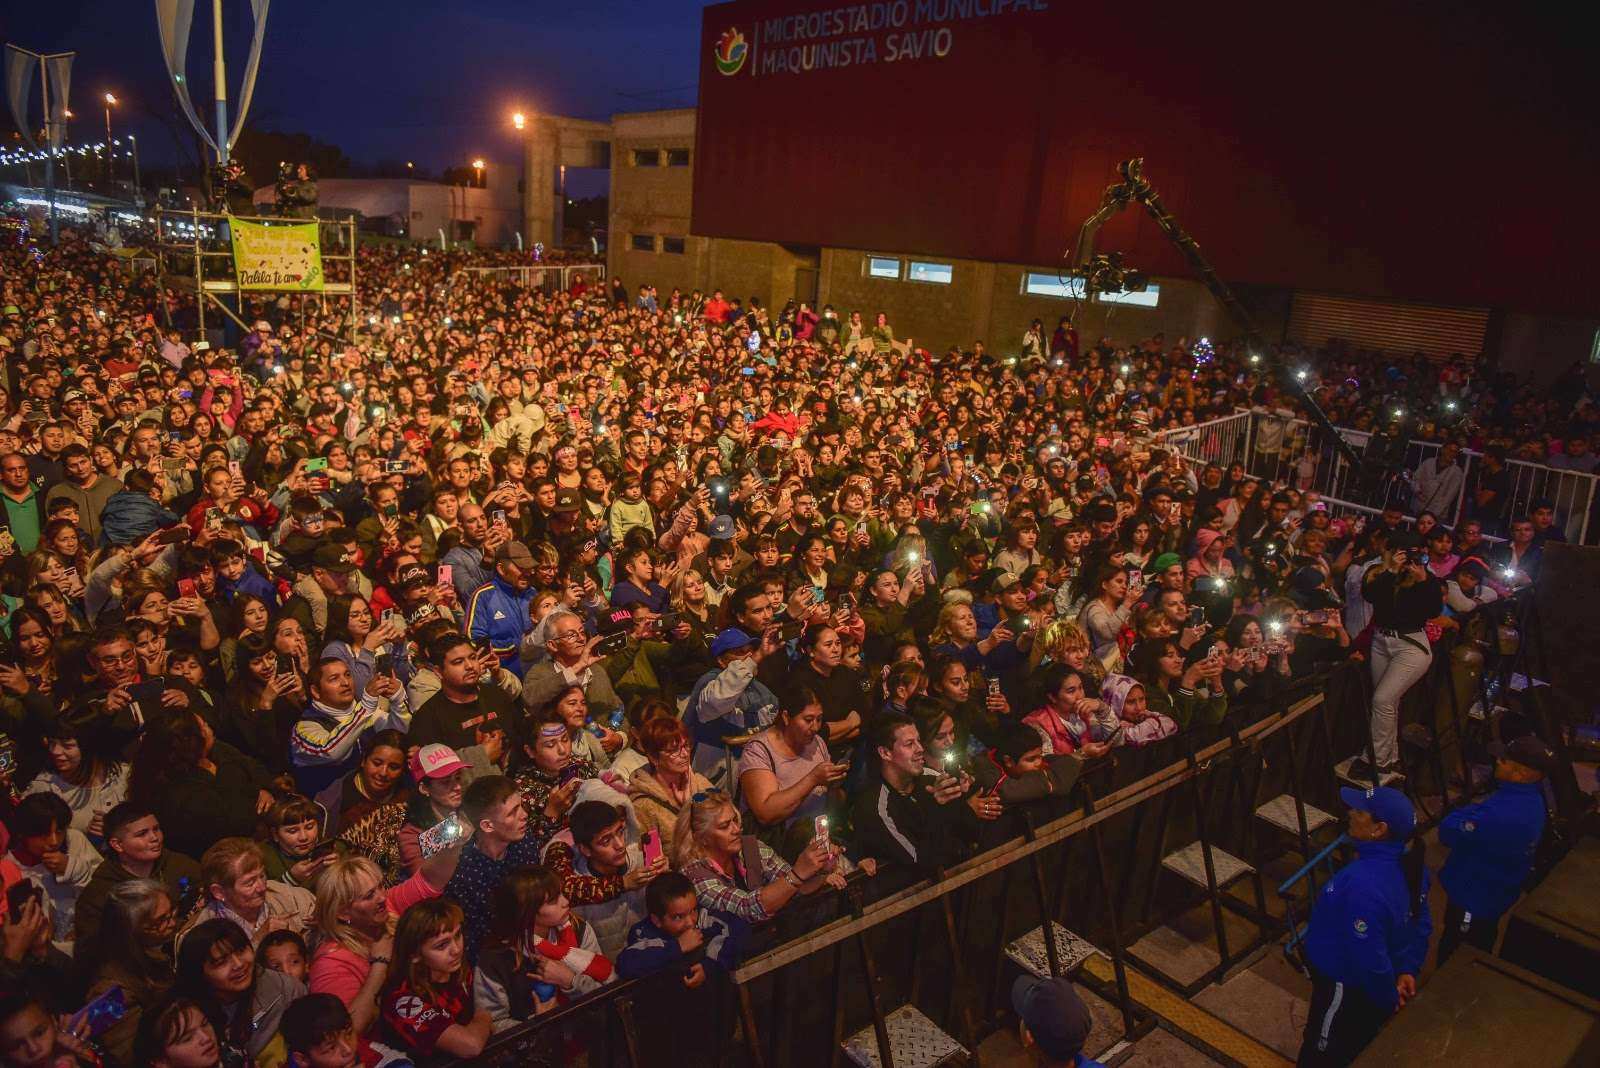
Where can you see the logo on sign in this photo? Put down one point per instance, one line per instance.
(731, 51)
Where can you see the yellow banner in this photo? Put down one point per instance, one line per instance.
(276, 256)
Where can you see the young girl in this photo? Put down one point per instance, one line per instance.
(427, 1005)
(538, 953)
(294, 829)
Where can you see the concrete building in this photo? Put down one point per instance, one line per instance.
(935, 302)
(938, 301)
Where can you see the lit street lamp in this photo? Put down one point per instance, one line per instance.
(477, 165)
(111, 102)
(519, 120)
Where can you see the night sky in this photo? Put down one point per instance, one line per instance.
(431, 82)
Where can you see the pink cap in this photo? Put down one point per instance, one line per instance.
(434, 761)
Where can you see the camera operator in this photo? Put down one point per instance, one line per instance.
(1404, 595)
(231, 191)
(296, 191)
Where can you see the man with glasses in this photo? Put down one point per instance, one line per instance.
(571, 662)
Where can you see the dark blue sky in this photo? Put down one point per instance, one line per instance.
(434, 82)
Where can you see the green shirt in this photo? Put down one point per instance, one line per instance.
(23, 518)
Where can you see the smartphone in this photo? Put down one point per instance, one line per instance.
(1197, 617)
(186, 588)
(441, 836)
(214, 517)
(383, 663)
(71, 573)
(847, 603)
(101, 1013)
(499, 515)
(994, 687)
(650, 846)
(284, 665)
(614, 643)
(323, 848)
(395, 467)
(19, 893)
(1135, 578)
(819, 826)
(174, 436)
(790, 629)
(235, 469)
(568, 774)
(391, 511)
(445, 574)
(315, 464)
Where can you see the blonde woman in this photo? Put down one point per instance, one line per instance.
(708, 848)
(353, 918)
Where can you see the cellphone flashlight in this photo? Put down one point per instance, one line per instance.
(913, 556)
(1126, 370)
(448, 320)
(1509, 572)
(1275, 626)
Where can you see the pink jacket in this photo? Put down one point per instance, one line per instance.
(337, 970)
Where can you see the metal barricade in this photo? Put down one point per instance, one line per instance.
(1275, 447)
(548, 278)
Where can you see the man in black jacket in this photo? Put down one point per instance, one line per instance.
(908, 814)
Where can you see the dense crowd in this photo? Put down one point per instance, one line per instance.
(374, 686)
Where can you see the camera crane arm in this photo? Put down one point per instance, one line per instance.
(1136, 189)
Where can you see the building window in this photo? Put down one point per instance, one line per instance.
(644, 242)
(883, 267)
(1051, 284)
(647, 157)
(1146, 298)
(673, 245)
(938, 273)
(677, 157)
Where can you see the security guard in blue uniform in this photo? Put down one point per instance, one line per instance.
(1369, 930)
(1492, 844)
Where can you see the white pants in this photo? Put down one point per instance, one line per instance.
(1397, 663)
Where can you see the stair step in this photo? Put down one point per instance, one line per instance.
(1189, 863)
(914, 1041)
(1280, 812)
(1342, 771)
(1071, 950)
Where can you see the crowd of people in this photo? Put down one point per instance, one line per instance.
(377, 683)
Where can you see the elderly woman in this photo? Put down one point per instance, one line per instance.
(662, 788)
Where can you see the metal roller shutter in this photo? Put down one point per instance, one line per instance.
(1398, 328)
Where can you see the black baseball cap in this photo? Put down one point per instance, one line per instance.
(1529, 751)
(1054, 1014)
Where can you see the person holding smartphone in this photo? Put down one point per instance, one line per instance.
(910, 815)
(1404, 595)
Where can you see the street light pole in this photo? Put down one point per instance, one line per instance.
(110, 166)
(138, 190)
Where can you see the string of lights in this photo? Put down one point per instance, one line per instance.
(39, 155)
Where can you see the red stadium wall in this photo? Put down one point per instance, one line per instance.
(1429, 153)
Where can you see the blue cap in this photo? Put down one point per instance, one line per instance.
(721, 528)
(731, 639)
(1386, 804)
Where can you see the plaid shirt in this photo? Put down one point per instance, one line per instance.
(720, 892)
